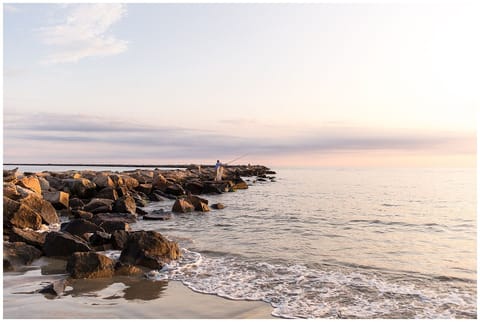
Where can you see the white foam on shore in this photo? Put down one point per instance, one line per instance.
(297, 291)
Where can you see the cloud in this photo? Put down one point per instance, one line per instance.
(52, 134)
(84, 32)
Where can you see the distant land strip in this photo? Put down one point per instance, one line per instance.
(115, 165)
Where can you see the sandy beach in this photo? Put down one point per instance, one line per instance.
(119, 297)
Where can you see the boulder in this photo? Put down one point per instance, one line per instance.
(10, 175)
(175, 189)
(145, 188)
(200, 204)
(155, 197)
(122, 191)
(29, 237)
(159, 182)
(194, 187)
(32, 183)
(119, 239)
(114, 221)
(44, 184)
(97, 205)
(103, 181)
(79, 227)
(142, 176)
(63, 244)
(90, 265)
(149, 249)
(19, 254)
(158, 215)
(42, 207)
(240, 184)
(218, 206)
(58, 199)
(80, 187)
(129, 182)
(20, 215)
(76, 203)
(100, 238)
(125, 204)
(54, 182)
(127, 270)
(10, 191)
(82, 214)
(211, 188)
(107, 193)
(181, 205)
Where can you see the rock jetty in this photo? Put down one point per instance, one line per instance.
(73, 215)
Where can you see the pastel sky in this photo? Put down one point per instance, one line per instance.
(325, 84)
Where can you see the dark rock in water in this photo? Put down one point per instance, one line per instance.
(149, 249)
(125, 204)
(155, 197)
(240, 185)
(194, 187)
(200, 204)
(79, 227)
(158, 216)
(81, 187)
(97, 205)
(212, 188)
(218, 206)
(82, 214)
(30, 182)
(58, 199)
(63, 244)
(28, 236)
(261, 179)
(76, 203)
(113, 225)
(108, 193)
(55, 288)
(90, 265)
(19, 254)
(120, 217)
(166, 195)
(270, 172)
(175, 189)
(127, 270)
(181, 205)
(20, 215)
(41, 207)
(100, 238)
(119, 239)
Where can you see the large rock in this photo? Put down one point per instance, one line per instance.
(119, 239)
(18, 254)
(10, 175)
(103, 181)
(175, 189)
(145, 188)
(240, 184)
(81, 187)
(107, 193)
(20, 215)
(63, 244)
(90, 265)
(194, 187)
(114, 221)
(129, 182)
(30, 237)
(181, 205)
(44, 184)
(30, 182)
(54, 182)
(42, 207)
(159, 182)
(125, 204)
(10, 191)
(58, 199)
(80, 227)
(97, 205)
(149, 249)
(200, 204)
(76, 203)
(100, 238)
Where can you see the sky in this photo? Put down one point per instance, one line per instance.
(322, 84)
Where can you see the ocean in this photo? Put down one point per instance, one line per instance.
(335, 243)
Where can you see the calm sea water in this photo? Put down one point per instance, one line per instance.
(357, 243)
(354, 243)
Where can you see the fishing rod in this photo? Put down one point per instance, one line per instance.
(237, 158)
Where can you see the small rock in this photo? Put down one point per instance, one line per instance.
(181, 205)
(218, 206)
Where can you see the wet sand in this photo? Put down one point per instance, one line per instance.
(120, 297)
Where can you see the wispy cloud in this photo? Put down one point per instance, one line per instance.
(113, 138)
(84, 32)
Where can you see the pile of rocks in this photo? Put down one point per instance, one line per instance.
(96, 209)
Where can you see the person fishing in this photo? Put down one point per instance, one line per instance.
(218, 171)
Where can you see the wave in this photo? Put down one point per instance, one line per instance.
(326, 291)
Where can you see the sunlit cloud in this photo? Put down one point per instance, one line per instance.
(110, 138)
(84, 32)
